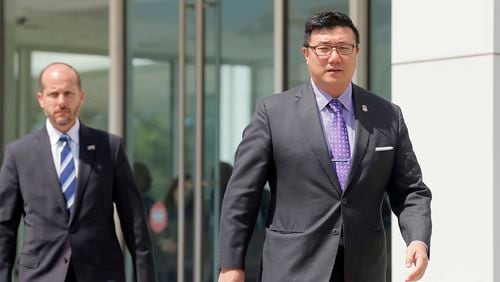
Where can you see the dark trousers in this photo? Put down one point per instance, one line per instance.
(338, 268)
(70, 276)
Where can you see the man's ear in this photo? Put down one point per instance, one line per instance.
(305, 52)
(39, 97)
(82, 97)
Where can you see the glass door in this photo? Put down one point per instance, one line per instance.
(152, 113)
(218, 54)
(172, 125)
(194, 71)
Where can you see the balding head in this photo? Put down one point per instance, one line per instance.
(56, 66)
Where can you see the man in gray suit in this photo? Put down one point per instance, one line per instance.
(63, 180)
(329, 150)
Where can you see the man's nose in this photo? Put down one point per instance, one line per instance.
(61, 99)
(334, 56)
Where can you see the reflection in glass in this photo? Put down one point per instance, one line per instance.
(234, 110)
(150, 138)
(151, 119)
(235, 77)
(246, 75)
(380, 48)
(379, 81)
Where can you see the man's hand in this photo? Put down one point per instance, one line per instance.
(416, 254)
(231, 275)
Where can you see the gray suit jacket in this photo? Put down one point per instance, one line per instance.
(284, 145)
(29, 187)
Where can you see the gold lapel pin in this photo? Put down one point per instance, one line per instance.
(364, 108)
(91, 147)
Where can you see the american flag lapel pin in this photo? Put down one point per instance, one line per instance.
(90, 147)
(364, 108)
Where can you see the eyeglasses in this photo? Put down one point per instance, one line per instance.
(326, 50)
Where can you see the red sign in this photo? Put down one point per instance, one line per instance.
(158, 217)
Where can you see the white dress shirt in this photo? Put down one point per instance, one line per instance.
(57, 147)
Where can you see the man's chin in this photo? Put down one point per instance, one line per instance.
(62, 123)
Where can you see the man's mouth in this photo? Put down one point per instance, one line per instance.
(333, 68)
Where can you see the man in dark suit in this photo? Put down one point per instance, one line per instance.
(329, 150)
(63, 180)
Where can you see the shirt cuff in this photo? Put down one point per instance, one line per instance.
(426, 247)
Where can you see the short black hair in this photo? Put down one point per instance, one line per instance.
(328, 20)
(77, 74)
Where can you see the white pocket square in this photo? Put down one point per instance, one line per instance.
(381, 149)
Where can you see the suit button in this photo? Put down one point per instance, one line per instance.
(65, 260)
(336, 232)
(344, 201)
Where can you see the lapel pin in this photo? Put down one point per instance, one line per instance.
(364, 108)
(91, 147)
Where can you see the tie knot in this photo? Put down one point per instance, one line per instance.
(64, 138)
(335, 105)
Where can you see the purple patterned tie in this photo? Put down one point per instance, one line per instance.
(339, 143)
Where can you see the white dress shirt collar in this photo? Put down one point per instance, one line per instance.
(323, 98)
(55, 134)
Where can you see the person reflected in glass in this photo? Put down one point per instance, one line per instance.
(167, 243)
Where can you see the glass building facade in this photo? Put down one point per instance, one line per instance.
(192, 72)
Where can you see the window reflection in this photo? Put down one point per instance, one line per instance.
(234, 107)
(235, 77)
(379, 81)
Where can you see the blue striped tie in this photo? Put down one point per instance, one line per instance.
(67, 176)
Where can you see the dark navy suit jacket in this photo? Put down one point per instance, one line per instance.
(29, 189)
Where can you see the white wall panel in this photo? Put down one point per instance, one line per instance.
(496, 27)
(496, 167)
(448, 107)
(429, 29)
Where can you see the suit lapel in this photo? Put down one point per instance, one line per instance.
(53, 186)
(86, 159)
(310, 122)
(363, 129)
